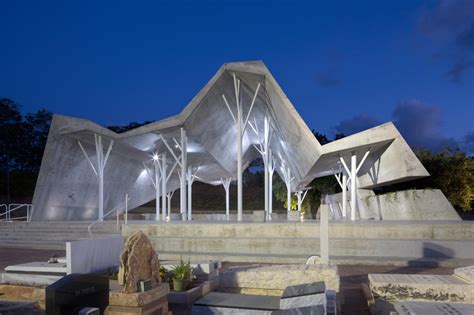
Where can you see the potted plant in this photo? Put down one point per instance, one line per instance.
(182, 274)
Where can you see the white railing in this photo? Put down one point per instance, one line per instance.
(121, 208)
(14, 207)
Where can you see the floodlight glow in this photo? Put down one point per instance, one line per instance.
(155, 157)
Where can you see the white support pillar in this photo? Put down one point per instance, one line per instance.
(169, 197)
(263, 148)
(183, 147)
(226, 183)
(99, 171)
(301, 195)
(190, 194)
(344, 195)
(271, 170)
(241, 124)
(343, 185)
(353, 185)
(287, 179)
(191, 177)
(156, 163)
(163, 182)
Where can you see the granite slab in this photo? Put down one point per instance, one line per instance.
(429, 288)
(38, 268)
(430, 308)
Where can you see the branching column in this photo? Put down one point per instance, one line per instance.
(226, 183)
(240, 123)
(262, 147)
(99, 171)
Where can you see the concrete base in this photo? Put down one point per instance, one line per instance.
(150, 302)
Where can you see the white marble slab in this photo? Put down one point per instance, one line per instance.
(29, 279)
(88, 256)
(38, 268)
(427, 308)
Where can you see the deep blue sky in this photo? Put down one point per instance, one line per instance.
(345, 66)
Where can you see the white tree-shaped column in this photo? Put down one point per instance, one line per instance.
(191, 177)
(155, 180)
(271, 170)
(262, 147)
(286, 171)
(352, 173)
(226, 183)
(241, 124)
(99, 171)
(182, 162)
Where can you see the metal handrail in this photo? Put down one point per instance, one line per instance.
(16, 206)
(116, 209)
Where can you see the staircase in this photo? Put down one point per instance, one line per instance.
(51, 235)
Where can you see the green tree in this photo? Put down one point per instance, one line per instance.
(452, 172)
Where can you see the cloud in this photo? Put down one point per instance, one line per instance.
(465, 40)
(418, 122)
(356, 124)
(455, 72)
(328, 79)
(450, 23)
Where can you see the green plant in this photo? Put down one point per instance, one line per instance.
(183, 271)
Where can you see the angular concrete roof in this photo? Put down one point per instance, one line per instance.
(212, 144)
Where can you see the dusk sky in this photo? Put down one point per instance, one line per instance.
(346, 66)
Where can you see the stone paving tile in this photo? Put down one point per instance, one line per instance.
(11, 256)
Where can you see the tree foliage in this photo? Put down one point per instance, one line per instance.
(22, 142)
(452, 172)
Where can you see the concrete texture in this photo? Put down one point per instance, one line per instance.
(67, 188)
(426, 204)
(447, 243)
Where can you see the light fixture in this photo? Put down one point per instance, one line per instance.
(155, 157)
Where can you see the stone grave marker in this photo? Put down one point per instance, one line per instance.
(430, 308)
(439, 288)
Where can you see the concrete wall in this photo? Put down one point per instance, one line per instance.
(376, 242)
(426, 204)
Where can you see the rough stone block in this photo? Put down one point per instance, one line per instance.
(276, 278)
(438, 288)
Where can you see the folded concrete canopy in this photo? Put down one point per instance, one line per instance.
(239, 115)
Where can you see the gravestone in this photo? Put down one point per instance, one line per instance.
(429, 308)
(301, 295)
(438, 288)
(74, 292)
(138, 262)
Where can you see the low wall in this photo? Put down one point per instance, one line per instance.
(423, 204)
(385, 242)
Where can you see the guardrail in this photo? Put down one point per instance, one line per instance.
(124, 209)
(12, 207)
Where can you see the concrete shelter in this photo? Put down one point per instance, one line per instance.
(239, 115)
